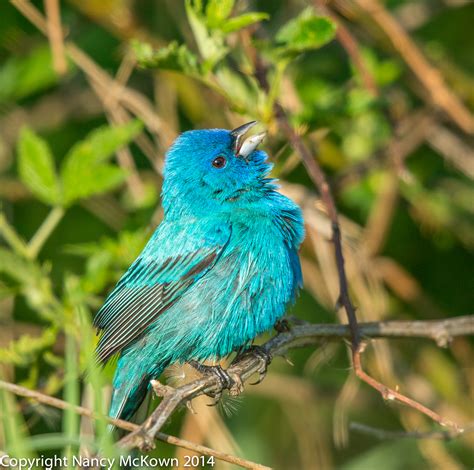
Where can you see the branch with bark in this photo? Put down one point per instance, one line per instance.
(300, 335)
(320, 181)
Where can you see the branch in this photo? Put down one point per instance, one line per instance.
(55, 35)
(300, 335)
(429, 76)
(349, 43)
(127, 426)
(382, 434)
(319, 179)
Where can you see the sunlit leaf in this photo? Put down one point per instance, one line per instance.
(85, 171)
(211, 46)
(306, 31)
(242, 21)
(22, 76)
(172, 57)
(36, 167)
(217, 11)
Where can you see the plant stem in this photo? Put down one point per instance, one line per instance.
(45, 230)
(11, 237)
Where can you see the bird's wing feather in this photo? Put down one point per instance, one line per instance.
(296, 270)
(174, 258)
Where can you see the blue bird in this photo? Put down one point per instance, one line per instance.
(219, 270)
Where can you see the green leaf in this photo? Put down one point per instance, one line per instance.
(217, 11)
(33, 282)
(85, 171)
(211, 46)
(36, 167)
(172, 57)
(26, 348)
(306, 31)
(242, 21)
(21, 76)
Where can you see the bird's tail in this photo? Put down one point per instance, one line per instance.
(127, 398)
(129, 394)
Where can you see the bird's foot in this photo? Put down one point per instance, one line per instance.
(282, 325)
(263, 356)
(225, 381)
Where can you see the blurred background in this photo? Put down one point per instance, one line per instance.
(383, 94)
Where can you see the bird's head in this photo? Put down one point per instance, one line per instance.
(213, 170)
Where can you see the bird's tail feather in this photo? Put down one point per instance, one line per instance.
(130, 397)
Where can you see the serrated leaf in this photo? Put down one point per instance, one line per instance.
(242, 21)
(96, 181)
(211, 46)
(102, 142)
(217, 11)
(21, 76)
(36, 167)
(307, 31)
(172, 57)
(85, 172)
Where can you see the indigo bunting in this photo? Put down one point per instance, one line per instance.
(218, 271)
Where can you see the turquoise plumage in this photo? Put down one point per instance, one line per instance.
(218, 271)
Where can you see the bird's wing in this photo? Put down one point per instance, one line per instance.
(174, 258)
(296, 270)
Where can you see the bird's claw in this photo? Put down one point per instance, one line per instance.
(264, 357)
(225, 381)
(237, 387)
(282, 325)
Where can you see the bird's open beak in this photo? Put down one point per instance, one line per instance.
(245, 148)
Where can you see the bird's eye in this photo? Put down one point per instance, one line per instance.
(219, 162)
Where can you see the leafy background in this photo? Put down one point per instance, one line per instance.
(80, 160)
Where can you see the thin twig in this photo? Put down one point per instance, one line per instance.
(8, 233)
(127, 426)
(382, 434)
(300, 335)
(429, 76)
(130, 99)
(408, 135)
(55, 35)
(45, 230)
(349, 43)
(318, 177)
(455, 151)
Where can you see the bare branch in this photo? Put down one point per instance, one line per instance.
(300, 335)
(127, 426)
(319, 179)
(382, 434)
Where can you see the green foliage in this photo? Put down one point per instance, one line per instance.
(305, 32)
(58, 263)
(26, 350)
(242, 21)
(23, 76)
(172, 57)
(85, 170)
(36, 167)
(217, 11)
